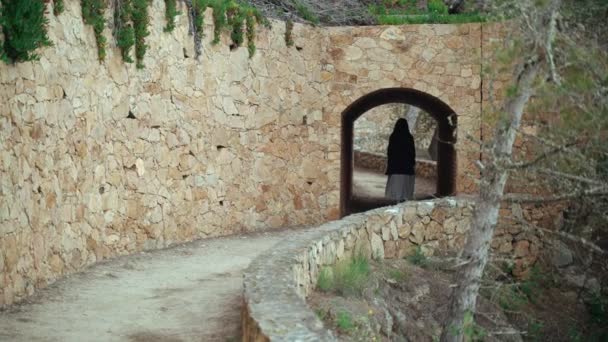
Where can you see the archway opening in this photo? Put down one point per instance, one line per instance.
(446, 121)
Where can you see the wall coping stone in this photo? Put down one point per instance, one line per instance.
(274, 301)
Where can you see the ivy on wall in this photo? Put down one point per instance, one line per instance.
(123, 28)
(237, 18)
(289, 33)
(58, 7)
(24, 27)
(170, 14)
(141, 20)
(92, 14)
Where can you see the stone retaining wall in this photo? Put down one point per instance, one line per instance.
(99, 159)
(376, 162)
(278, 281)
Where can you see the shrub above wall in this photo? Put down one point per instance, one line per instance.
(24, 25)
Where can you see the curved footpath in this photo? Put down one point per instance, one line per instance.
(191, 292)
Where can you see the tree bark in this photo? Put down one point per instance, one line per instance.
(485, 216)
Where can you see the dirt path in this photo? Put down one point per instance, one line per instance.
(188, 293)
(371, 184)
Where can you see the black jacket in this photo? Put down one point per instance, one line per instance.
(401, 155)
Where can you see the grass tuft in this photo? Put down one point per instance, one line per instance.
(345, 321)
(347, 278)
(418, 258)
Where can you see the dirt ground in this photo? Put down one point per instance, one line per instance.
(368, 189)
(191, 292)
(368, 183)
(400, 302)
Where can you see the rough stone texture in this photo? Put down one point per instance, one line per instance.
(442, 60)
(220, 145)
(277, 282)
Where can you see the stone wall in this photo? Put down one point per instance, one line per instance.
(101, 159)
(213, 147)
(278, 281)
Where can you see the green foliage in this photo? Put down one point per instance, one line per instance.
(402, 12)
(92, 13)
(288, 33)
(322, 314)
(429, 19)
(471, 330)
(250, 30)
(24, 27)
(219, 19)
(344, 321)
(236, 18)
(535, 331)
(139, 16)
(418, 258)
(170, 14)
(437, 7)
(199, 7)
(325, 282)
(346, 278)
(58, 7)
(598, 308)
(125, 35)
(306, 13)
(397, 275)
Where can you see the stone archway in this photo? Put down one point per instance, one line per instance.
(446, 122)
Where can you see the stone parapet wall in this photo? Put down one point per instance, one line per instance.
(377, 162)
(277, 282)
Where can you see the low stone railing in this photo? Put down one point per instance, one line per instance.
(277, 282)
(377, 162)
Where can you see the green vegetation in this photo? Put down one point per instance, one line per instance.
(471, 330)
(170, 14)
(418, 258)
(346, 278)
(58, 7)
(344, 321)
(139, 16)
(535, 331)
(306, 13)
(288, 33)
(397, 275)
(240, 19)
(125, 35)
(25, 29)
(405, 12)
(598, 308)
(219, 19)
(92, 14)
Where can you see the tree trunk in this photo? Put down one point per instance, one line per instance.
(485, 216)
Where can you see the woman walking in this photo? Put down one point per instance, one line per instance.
(401, 163)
